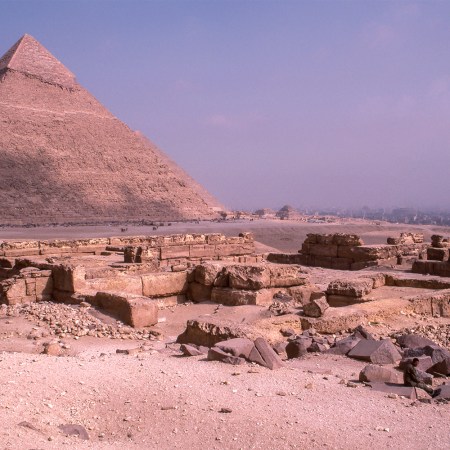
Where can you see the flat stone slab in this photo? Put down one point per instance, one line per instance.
(393, 388)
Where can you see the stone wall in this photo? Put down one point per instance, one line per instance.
(438, 258)
(347, 251)
(177, 249)
(27, 286)
(181, 247)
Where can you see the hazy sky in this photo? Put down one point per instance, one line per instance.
(331, 103)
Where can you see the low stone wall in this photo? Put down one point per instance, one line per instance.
(348, 252)
(440, 268)
(28, 286)
(162, 248)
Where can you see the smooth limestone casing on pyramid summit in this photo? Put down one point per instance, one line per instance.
(66, 158)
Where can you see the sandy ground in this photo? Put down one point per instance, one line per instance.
(283, 235)
(158, 399)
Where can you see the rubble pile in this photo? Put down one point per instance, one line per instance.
(76, 321)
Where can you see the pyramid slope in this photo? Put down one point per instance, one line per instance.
(28, 56)
(65, 158)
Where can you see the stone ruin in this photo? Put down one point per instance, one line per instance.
(133, 278)
(348, 252)
(438, 258)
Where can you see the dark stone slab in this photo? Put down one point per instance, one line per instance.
(414, 341)
(298, 347)
(377, 352)
(237, 347)
(216, 354)
(272, 360)
(256, 357)
(343, 346)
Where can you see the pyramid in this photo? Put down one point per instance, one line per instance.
(64, 158)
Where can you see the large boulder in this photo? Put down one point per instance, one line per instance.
(425, 362)
(317, 306)
(377, 352)
(378, 373)
(414, 341)
(343, 346)
(209, 332)
(298, 347)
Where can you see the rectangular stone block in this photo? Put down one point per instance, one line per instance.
(202, 251)
(234, 249)
(345, 251)
(341, 263)
(135, 311)
(44, 287)
(128, 284)
(175, 251)
(164, 284)
(437, 254)
(237, 297)
(323, 250)
(337, 301)
(322, 261)
(69, 278)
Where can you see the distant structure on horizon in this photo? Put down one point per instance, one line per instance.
(66, 159)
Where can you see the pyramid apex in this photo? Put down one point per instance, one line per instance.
(28, 56)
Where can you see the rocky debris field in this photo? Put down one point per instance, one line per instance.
(72, 321)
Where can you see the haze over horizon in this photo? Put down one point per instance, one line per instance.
(268, 103)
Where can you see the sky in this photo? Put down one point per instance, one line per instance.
(265, 103)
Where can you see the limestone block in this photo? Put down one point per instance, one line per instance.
(198, 292)
(271, 359)
(438, 254)
(175, 251)
(347, 239)
(209, 332)
(129, 284)
(341, 263)
(249, 277)
(202, 251)
(234, 249)
(317, 306)
(286, 275)
(302, 294)
(69, 278)
(236, 297)
(135, 311)
(164, 284)
(323, 250)
(322, 261)
(44, 288)
(352, 288)
(324, 239)
(215, 238)
(207, 272)
(337, 301)
(345, 251)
